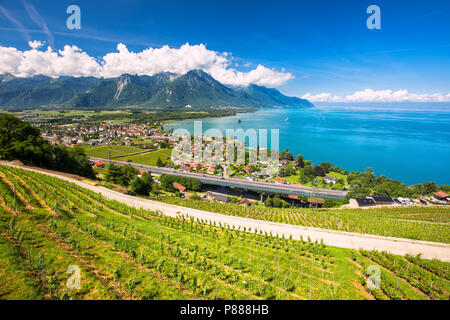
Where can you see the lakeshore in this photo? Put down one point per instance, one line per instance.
(407, 144)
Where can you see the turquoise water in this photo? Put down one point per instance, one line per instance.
(410, 144)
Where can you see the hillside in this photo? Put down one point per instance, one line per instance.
(161, 91)
(129, 253)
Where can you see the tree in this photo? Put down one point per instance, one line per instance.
(429, 187)
(127, 174)
(286, 155)
(168, 180)
(159, 163)
(307, 174)
(268, 202)
(358, 192)
(392, 189)
(326, 166)
(143, 185)
(113, 173)
(330, 203)
(299, 161)
(289, 170)
(20, 140)
(282, 172)
(277, 203)
(164, 144)
(319, 171)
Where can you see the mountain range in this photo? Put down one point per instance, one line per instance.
(165, 90)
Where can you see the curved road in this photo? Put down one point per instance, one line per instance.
(334, 238)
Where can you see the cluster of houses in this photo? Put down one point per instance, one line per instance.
(100, 134)
(209, 168)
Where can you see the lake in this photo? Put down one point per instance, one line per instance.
(410, 144)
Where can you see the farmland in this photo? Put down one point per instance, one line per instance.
(418, 223)
(129, 253)
(116, 151)
(150, 158)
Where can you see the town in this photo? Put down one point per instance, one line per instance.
(148, 144)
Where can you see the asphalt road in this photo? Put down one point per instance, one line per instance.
(334, 238)
(251, 185)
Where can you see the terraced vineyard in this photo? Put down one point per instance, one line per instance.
(419, 223)
(48, 224)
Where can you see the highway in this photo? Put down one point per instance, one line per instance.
(257, 186)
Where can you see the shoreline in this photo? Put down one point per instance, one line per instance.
(339, 136)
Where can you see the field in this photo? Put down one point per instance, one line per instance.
(295, 179)
(116, 151)
(127, 253)
(150, 158)
(419, 223)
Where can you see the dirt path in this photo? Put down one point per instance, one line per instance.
(342, 239)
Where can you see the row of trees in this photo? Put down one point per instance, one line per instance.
(21, 141)
(190, 183)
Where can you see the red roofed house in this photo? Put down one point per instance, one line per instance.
(313, 202)
(179, 187)
(280, 180)
(99, 164)
(442, 196)
(245, 202)
(186, 168)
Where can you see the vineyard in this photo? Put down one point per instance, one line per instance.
(418, 223)
(48, 224)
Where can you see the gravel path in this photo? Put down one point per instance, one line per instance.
(334, 238)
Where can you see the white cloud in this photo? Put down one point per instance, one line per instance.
(35, 44)
(369, 95)
(322, 97)
(72, 61)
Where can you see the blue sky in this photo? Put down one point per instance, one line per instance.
(324, 45)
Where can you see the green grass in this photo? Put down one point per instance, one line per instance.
(150, 158)
(125, 252)
(295, 179)
(292, 179)
(338, 175)
(116, 151)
